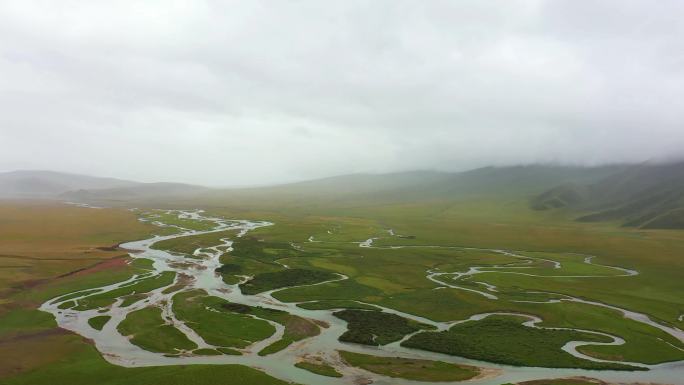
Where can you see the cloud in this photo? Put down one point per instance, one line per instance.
(229, 93)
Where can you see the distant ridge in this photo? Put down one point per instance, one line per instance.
(40, 184)
(132, 193)
(49, 184)
(358, 190)
(645, 195)
(648, 195)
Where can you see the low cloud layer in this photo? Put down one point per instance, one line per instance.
(234, 93)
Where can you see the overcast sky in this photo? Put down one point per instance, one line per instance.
(235, 93)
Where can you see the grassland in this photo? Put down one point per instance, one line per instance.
(220, 326)
(396, 277)
(40, 241)
(132, 293)
(254, 255)
(98, 322)
(232, 325)
(370, 327)
(504, 340)
(564, 381)
(74, 362)
(410, 369)
(148, 330)
(188, 245)
(335, 304)
(284, 278)
(48, 250)
(172, 218)
(296, 329)
(318, 368)
(262, 250)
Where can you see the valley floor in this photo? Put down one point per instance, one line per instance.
(333, 299)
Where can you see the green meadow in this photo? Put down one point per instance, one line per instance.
(318, 368)
(146, 328)
(411, 369)
(327, 238)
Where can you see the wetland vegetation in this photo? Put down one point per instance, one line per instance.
(285, 278)
(411, 369)
(318, 368)
(371, 327)
(505, 340)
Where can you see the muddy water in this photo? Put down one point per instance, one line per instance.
(198, 273)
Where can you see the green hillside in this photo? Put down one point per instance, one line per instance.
(648, 196)
(516, 182)
(643, 195)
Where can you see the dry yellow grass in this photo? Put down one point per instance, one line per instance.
(43, 240)
(41, 244)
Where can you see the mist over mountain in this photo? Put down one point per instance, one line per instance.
(424, 185)
(44, 184)
(29, 184)
(649, 195)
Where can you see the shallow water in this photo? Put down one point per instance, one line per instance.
(118, 350)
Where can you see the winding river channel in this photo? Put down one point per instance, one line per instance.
(199, 273)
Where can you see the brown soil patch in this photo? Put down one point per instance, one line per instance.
(486, 373)
(320, 323)
(181, 265)
(640, 383)
(362, 381)
(183, 281)
(119, 261)
(34, 335)
(108, 248)
(301, 327)
(580, 380)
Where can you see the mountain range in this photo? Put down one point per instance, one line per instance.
(644, 195)
(32, 184)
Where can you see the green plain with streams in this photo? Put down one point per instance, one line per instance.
(394, 278)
